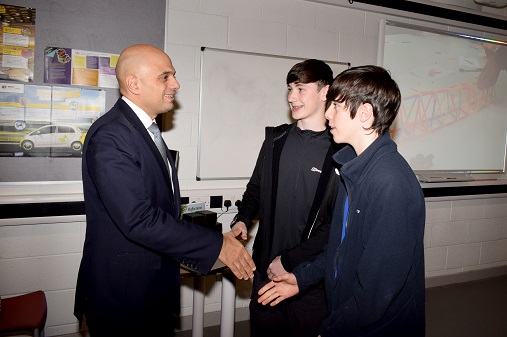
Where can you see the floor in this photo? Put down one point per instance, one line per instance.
(471, 309)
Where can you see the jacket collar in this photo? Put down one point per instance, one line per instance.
(134, 120)
(131, 116)
(353, 168)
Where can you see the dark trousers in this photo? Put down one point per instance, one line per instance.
(299, 316)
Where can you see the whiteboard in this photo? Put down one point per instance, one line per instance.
(241, 94)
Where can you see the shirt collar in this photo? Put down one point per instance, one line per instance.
(143, 116)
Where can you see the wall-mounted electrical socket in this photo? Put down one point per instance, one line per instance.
(216, 201)
(234, 203)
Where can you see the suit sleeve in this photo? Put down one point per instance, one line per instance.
(132, 192)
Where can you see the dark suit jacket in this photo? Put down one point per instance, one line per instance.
(129, 273)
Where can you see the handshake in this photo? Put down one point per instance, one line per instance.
(234, 255)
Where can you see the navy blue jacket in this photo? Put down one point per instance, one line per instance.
(374, 278)
(134, 244)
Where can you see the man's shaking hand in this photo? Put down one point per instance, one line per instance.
(235, 256)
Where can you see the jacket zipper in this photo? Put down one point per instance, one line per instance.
(313, 224)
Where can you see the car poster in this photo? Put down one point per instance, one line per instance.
(17, 41)
(80, 67)
(45, 121)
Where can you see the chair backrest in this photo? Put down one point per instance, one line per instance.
(26, 312)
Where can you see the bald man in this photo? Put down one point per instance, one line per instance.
(128, 282)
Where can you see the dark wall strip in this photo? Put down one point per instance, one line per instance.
(35, 210)
(439, 12)
(464, 190)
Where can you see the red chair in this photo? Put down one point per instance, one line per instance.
(24, 314)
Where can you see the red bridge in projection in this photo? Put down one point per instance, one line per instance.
(423, 112)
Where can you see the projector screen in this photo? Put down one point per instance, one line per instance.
(453, 116)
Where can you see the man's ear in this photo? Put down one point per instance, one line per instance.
(132, 84)
(323, 92)
(365, 111)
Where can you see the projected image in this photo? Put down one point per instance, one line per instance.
(453, 115)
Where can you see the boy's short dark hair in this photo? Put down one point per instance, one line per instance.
(368, 84)
(311, 71)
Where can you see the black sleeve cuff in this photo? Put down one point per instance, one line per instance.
(238, 218)
(286, 263)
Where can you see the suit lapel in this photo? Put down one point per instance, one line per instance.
(176, 185)
(136, 123)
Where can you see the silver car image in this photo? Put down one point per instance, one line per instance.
(54, 136)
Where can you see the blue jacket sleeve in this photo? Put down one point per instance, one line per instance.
(310, 273)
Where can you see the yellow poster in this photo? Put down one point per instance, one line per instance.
(17, 40)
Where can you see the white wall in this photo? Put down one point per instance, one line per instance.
(43, 255)
(465, 235)
(461, 234)
(337, 32)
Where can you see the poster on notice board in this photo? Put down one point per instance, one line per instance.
(80, 67)
(43, 121)
(17, 41)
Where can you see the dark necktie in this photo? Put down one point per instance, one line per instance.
(157, 138)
